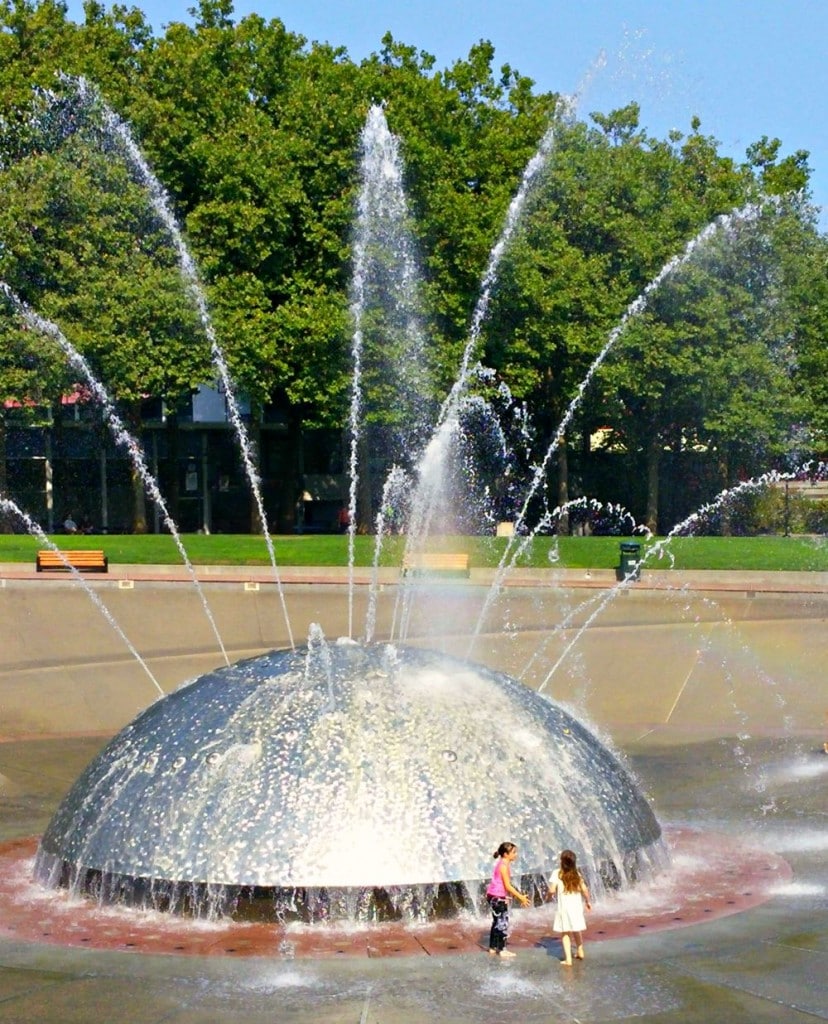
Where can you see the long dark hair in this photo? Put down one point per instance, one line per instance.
(503, 849)
(570, 875)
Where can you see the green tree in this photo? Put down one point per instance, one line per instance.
(695, 371)
(254, 134)
(83, 247)
(615, 207)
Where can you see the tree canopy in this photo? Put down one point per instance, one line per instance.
(253, 133)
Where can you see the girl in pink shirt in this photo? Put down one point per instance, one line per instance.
(498, 893)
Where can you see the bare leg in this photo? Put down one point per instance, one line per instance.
(579, 941)
(566, 942)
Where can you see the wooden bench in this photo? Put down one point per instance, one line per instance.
(83, 561)
(435, 563)
(815, 490)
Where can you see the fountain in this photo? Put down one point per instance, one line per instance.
(243, 786)
(370, 787)
(264, 763)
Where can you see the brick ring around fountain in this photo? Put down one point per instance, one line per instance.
(279, 804)
(712, 876)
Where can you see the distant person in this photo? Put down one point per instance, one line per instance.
(344, 519)
(69, 524)
(570, 890)
(498, 893)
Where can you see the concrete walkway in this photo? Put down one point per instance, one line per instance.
(715, 692)
(651, 578)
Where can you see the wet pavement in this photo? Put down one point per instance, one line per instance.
(744, 877)
(715, 695)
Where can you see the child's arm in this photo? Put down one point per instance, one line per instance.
(552, 886)
(507, 882)
(585, 894)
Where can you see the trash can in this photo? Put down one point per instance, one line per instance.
(630, 567)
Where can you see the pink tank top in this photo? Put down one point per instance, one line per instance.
(496, 886)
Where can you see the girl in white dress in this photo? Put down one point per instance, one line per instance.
(568, 887)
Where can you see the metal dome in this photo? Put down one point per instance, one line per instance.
(346, 768)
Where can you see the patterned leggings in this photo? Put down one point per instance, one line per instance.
(500, 923)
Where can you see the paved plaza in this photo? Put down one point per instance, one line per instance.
(711, 686)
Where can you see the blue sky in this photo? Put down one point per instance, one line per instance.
(747, 68)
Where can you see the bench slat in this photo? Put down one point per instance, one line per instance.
(816, 490)
(436, 562)
(83, 560)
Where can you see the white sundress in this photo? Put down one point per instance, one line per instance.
(569, 912)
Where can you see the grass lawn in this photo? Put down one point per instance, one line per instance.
(760, 553)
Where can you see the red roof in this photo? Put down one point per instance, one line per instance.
(79, 394)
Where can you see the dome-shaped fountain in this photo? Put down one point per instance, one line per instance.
(344, 780)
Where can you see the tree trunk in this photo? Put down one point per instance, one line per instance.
(653, 466)
(290, 486)
(364, 502)
(139, 497)
(723, 468)
(6, 525)
(254, 439)
(173, 473)
(563, 486)
(139, 502)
